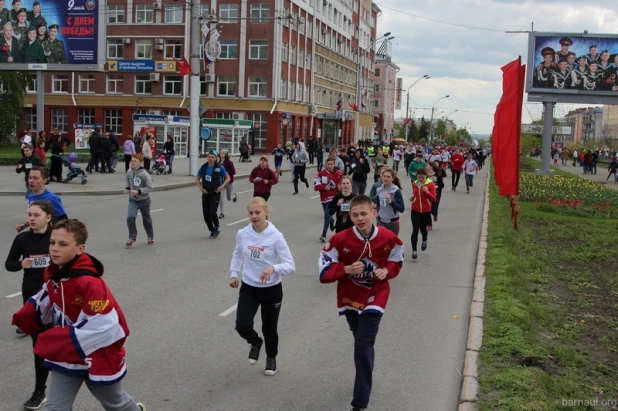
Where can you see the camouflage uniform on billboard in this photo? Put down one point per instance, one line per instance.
(54, 49)
(41, 37)
(4, 17)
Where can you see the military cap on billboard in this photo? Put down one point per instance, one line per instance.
(16, 1)
(42, 24)
(31, 28)
(22, 10)
(547, 51)
(566, 41)
(36, 3)
(54, 26)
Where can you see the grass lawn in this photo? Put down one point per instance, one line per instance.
(551, 314)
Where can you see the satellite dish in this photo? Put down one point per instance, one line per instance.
(205, 134)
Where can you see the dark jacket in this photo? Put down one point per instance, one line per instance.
(27, 163)
(106, 148)
(168, 148)
(113, 141)
(33, 53)
(359, 169)
(15, 51)
(57, 147)
(95, 143)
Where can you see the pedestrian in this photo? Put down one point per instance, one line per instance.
(26, 163)
(319, 155)
(30, 253)
(211, 179)
(138, 186)
(389, 200)
(168, 149)
(113, 141)
(57, 150)
(575, 157)
(438, 179)
(226, 162)
(613, 167)
(94, 142)
(244, 150)
(340, 204)
(278, 154)
(129, 150)
(416, 164)
(106, 155)
(470, 168)
(423, 195)
(147, 152)
(378, 162)
(258, 248)
(397, 154)
(339, 164)
(138, 142)
(556, 157)
(457, 161)
(263, 179)
(37, 179)
(85, 342)
(362, 260)
(40, 151)
(326, 183)
(359, 168)
(300, 158)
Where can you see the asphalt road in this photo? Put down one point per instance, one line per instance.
(183, 354)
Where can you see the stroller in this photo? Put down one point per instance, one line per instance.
(160, 165)
(73, 169)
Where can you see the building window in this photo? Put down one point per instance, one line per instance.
(284, 52)
(143, 49)
(203, 86)
(229, 49)
(115, 49)
(291, 90)
(143, 13)
(307, 98)
(292, 54)
(301, 59)
(286, 13)
(257, 87)
(31, 85)
(85, 115)
(143, 85)
(224, 116)
(228, 13)
(60, 83)
(30, 117)
(259, 132)
(282, 89)
(113, 120)
(258, 49)
(260, 12)
(375, 103)
(377, 72)
(86, 83)
(172, 85)
(226, 86)
(60, 118)
(115, 14)
(114, 83)
(171, 113)
(205, 10)
(299, 92)
(173, 14)
(173, 49)
(301, 25)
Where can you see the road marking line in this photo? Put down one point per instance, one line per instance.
(151, 211)
(243, 192)
(239, 221)
(315, 196)
(13, 295)
(229, 311)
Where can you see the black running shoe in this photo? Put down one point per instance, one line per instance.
(414, 255)
(271, 366)
(254, 353)
(332, 224)
(36, 401)
(424, 245)
(357, 409)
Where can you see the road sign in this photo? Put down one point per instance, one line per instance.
(286, 116)
(202, 109)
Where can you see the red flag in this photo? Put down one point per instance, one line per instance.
(507, 127)
(183, 66)
(353, 106)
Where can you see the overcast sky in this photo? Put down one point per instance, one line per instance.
(465, 62)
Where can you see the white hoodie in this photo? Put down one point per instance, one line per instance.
(257, 251)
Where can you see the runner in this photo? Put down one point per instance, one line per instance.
(416, 164)
(36, 181)
(359, 168)
(30, 252)
(211, 178)
(438, 180)
(397, 154)
(470, 167)
(457, 161)
(138, 186)
(278, 153)
(340, 205)
(378, 162)
(423, 195)
(326, 182)
(226, 162)
(300, 158)
(88, 329)
(26, 163)
(263, 178)
(362, 260)
(389, 200)
(258, 247)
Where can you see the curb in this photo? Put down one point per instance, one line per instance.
(470, 386)
(166, 187)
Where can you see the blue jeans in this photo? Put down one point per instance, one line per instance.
(170, 160)
(469, 181)
(327, 217)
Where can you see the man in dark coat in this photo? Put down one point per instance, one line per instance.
(9, 46)
(95, 150)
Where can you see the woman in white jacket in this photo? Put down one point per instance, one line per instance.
(258, 248)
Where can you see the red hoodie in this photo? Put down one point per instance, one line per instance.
(88, 327)
(259, 187)
(422, 201)
(457, 161)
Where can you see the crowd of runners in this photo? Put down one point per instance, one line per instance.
(82, 342)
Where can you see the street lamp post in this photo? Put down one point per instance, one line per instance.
(408, 102)
(431, 122)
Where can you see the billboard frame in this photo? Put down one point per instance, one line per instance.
(101, 50)
(570, 96)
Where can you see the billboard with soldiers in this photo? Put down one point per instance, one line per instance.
(52, 35)
(576, 68)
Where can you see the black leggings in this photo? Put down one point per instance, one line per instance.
(420, 221)
(127, 162)
(436, 204)
(249, 299)
(210, 205)
(299, 173)
(147, 164)
(455, 177)
(56, 168)
(40, 372)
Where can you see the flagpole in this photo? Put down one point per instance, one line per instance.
(194, 88)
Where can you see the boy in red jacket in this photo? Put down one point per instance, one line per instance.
(362, 259)
(457, 161)
(326, 182)
(423, 196)
(85, 343)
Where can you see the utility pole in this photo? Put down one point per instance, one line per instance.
(407, 115)
(194, 87)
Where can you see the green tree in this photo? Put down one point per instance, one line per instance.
(11, 103)
(440, 130)
(412, 132)
(528, 144)
(399, 130)
(423, 131)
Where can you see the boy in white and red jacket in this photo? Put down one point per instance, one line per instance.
(362, 259)
(326, 182)
(85, 343)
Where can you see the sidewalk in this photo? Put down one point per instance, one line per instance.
(12, 184)
(600, 176)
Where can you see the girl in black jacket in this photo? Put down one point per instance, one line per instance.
(30, 252)
(438, 179)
